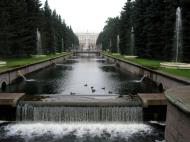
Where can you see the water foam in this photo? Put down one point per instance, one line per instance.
(59, 130)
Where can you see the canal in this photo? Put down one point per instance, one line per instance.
(85, 74)
(89, 75)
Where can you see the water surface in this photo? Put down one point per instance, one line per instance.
(82, 75)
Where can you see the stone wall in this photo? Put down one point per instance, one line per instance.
(177, 125)
(166, 80)
(8, 76)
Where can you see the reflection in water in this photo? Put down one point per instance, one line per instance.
(79, 132)
(71, 77)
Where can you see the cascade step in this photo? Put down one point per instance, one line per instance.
(10, 99)
(85, 100)
(79, 108)
(28, 112)
(154, 106)
(8, 103)
(153, 99)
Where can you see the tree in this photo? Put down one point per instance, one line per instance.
(108, 37)
(186, 31)
(126, 25)
(5, 26)
(153, 22)
(19, 39)
(19, 21)
(139, 23)
(33, 23)
(49, 36)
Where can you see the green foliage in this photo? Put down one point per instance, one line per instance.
(48, 30)
(186, 32)
(126, 26)
(153, 22)
(19, 21)
(108, 37)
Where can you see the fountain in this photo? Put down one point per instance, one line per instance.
(24, 78)
(39, 42)
(118, 41)
(110, 44)
(178, 32)
(62, 44)
(178, 45)
(39, 51)
(21, 75)
(141, 80)
(132, 45)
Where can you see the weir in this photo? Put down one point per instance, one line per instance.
(80, 108)
(87, 114)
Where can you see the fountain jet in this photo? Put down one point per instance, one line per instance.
(21, 75)
(39, 42)
(178, 45)
(178, 30)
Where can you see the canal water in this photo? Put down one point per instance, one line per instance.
(85, 74)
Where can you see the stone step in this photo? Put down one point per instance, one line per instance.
(10, 99)
(81, 101)
(152, 99)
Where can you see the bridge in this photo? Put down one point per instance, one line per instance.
(87, 51)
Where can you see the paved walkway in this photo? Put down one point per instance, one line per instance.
(180, 97)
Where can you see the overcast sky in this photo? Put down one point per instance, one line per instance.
(87, 15)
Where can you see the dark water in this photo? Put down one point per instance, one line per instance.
(79, 132)
(72, 75)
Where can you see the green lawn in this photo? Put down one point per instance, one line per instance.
(181, 72)
(153, 64)
(17, 62)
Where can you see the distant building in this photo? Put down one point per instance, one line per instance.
(87, 41)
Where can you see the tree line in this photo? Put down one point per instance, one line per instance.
(152, 22)
(19, 22)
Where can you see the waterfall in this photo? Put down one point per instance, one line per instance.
(33, 112)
